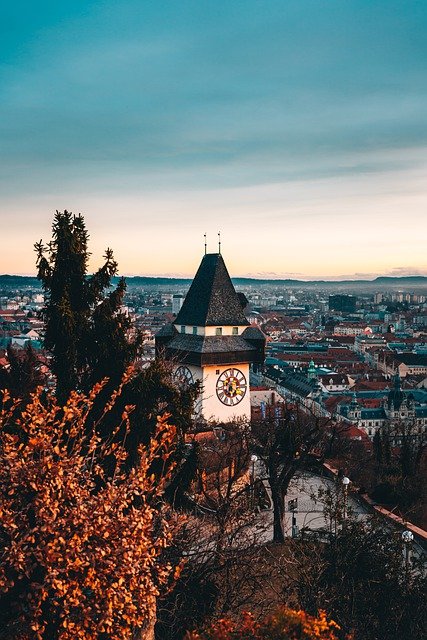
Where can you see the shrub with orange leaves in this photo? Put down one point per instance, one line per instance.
(82, 538)
(284, 624)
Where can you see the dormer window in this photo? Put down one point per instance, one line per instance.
(194, 331)
(218, 331)
(235, 331)
(183, 328)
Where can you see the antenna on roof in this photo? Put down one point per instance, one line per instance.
(219, 242)
(205, 244)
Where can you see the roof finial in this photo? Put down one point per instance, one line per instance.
(206, 246)
(219, 242)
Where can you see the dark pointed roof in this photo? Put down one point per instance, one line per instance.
(211, 299)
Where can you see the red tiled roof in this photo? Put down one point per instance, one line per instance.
(261, 388)
(371, 385)
(9, 312)
(370, 403)
(332, 402)
(354, 433)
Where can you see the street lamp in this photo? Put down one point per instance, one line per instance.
(345, 482)
(254, 460)
(407, 538)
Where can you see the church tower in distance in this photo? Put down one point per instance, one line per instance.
(212, 341)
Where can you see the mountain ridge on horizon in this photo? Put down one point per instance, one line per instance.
(164, 280)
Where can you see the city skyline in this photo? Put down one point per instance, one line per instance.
(297, 129)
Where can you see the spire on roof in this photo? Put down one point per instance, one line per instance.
(211, 299)
(312, 371)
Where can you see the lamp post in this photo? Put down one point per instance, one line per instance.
(345, 482)
(254, 460)
(407, 538)
(293, 506)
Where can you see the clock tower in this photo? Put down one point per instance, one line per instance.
(211, 341)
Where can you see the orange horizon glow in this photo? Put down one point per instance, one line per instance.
(353, 228)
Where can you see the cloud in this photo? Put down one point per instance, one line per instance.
(230, 96)
(407, 271)
(273, 275)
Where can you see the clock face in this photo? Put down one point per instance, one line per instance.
(231, 387)
(183, 377)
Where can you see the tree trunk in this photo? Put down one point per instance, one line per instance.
(147, 632)
(278, 498)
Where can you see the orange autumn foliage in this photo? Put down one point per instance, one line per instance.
(284, 624)
(82, 538)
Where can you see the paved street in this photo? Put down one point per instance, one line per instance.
(309, 514)
(310, 510)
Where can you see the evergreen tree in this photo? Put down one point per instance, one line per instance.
(84, 329)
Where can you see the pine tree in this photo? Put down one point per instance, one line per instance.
(84, 329)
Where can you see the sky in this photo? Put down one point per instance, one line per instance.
(297, 128)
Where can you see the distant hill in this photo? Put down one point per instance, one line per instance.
(402, 279)
(145, 281)
(7, 280)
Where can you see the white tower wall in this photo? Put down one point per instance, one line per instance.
(209, 406)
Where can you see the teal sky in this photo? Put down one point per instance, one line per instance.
(296, 127)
